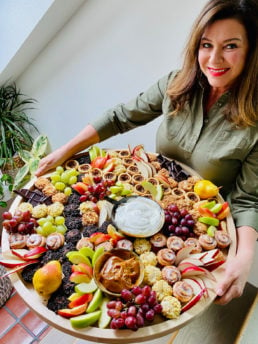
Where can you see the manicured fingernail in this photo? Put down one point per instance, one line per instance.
(219, 292)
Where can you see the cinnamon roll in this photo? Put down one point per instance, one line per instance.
(158, 241)
(183, 291)
(84, 242)
(54, 241)
(107, 245)
(223, 239)
(197, 247)
(166, 256)
(125, 244)
(171, 274)
(17, 240)
(35, 240)
(175, 243)
(207, 242)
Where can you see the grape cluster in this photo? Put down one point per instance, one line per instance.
(51, 224)
(20, 222)
(96, 191)
(63, 179)
(133, 308)
(178, 222)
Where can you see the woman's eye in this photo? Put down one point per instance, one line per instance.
(231, 46)
(205, 45)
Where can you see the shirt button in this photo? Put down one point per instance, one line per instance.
(206, 120)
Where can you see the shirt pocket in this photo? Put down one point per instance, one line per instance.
(176, 126)
(228, 146)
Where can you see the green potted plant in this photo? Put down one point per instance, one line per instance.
(16, 127)
(6, 186)
(31, 161)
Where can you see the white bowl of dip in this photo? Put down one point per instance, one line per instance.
(139, 217)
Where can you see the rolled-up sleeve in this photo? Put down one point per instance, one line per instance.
(146, 107)
(244, 198)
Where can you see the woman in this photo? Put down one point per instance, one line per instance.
(210, 120)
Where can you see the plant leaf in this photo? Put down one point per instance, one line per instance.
(33, 165)
(39, 146)
(21, 174)
(25, 155)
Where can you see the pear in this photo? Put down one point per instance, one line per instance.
(48, 278)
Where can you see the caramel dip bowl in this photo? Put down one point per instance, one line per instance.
(118, 269)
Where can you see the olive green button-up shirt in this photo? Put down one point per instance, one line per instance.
(212, 146)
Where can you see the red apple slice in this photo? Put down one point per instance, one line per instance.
(189, 262)
(213, 266)
(198, 284)
(80, 300)
(68, 313)
(79, 277)
(183, 253)
(19, 252)
(12, 263)
(193, 301)
(84, 268)
(18, 268)
(35, 252)
(9, 255)
(193, 271)
(207, 257)
(142, 168)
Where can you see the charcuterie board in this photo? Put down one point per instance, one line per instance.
(161, 326)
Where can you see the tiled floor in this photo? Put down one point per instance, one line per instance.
(19, 324)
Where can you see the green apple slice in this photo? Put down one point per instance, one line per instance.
(148, 186)
(104, 318)
(95, 302)
(76, 257)
(85, 320)
(87, 251)
(86, 288)
(99, 251)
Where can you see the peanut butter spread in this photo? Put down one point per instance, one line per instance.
(118, 274)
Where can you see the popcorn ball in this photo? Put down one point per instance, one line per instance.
(149, 258)
(55, 209)
(141, 245)
(171, 307)
(151, 274)
(40, 211)
(162, 289)
(25, 206)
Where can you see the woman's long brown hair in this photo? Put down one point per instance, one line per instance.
(242, 109)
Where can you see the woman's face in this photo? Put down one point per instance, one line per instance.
(222, 53)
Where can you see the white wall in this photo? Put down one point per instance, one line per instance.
(107, 53)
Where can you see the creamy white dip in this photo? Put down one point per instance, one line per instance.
(139, 216)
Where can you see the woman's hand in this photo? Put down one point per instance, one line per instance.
(87, 137)
(236, 269)
(236, 272)
(51, 161)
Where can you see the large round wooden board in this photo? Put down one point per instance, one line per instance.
(95, 334)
